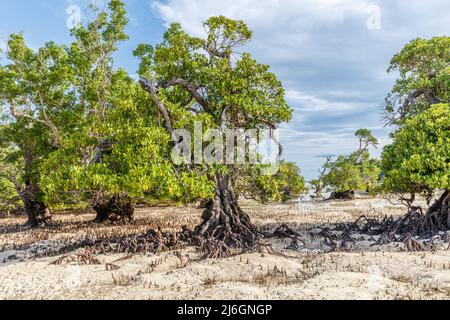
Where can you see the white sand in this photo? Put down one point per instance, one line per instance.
(375, 273)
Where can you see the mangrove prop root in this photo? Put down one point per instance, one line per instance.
(345, 195)
(417, 224)
(225, 224)
(412, 245)
(285, 232)
(115, 208)
(413, 224)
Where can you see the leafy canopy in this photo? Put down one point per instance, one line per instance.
(195, 79)
(286, 185)
(38, 98)
(86, 127)
(418, 160)
(424, 68)
(209, 80)
(118, 145)
(357, 171)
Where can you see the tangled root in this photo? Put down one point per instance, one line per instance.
(118, 207)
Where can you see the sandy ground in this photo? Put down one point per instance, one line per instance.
(363, 271)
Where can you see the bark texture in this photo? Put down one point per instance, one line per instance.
(225, 222)
(415, 223)
(118, 207)
(37, 212)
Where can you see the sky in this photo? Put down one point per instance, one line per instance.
(331, 55)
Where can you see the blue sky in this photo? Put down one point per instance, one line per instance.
(331, 55)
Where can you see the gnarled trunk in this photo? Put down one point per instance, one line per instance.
(437, 217)
(37, 212)
(415, 223)
(224, 221)
(118, 207)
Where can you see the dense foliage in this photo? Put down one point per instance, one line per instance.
(9, 170)
(76, 129)
(36, 91)
(424, 78)
(286, 185)
(191, 79)
(418, 160)
(357, 171)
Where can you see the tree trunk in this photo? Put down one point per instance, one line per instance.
(119, 207)
(37, 212)
(415, 223)
(318, 193)
(437, 217)
(204, 203)
(225, 221)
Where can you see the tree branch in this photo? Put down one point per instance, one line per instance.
(150, 88)
(16, 113)
(214, 52)
(429, 96)
(191, 88)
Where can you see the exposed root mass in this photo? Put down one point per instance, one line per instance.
(415, 223)
(118, 207)
(407, 229)
(225, 225)
(345, 195)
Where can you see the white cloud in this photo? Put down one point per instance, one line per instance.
(310, 103)
(345, 94)
(287, 15)
(332, 65)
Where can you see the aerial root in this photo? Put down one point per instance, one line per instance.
(213, 249)
(345, 195)
(407, 229)
(415, 223)
(83, 258)
(157, 241)
(283, 232)
(412, 245)
(154, 241)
